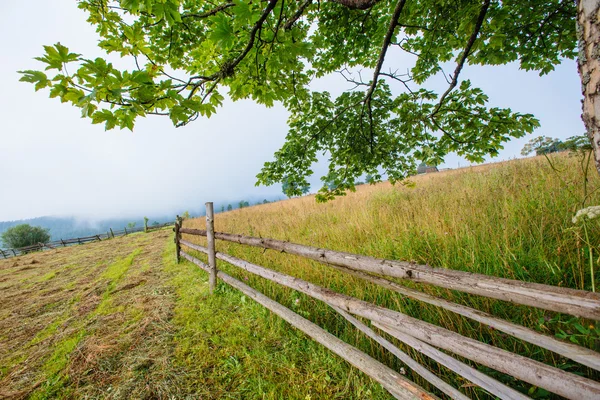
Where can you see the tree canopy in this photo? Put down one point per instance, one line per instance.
(187, 55)
(24, 235)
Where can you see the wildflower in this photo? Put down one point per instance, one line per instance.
(589, 212)
(297, 301)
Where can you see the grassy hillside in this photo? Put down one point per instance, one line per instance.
(120, 319)
(510, 220)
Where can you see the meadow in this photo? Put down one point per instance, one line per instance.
(511, 220)
(122, 319)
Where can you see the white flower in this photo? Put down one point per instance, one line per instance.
(589, 212)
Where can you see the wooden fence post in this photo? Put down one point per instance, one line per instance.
(112, 233)
(14, 253)
(210, 239)
(125, 231)
(2, 251)
(63, 243)
(177, 237)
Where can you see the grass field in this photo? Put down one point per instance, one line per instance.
(120, 319)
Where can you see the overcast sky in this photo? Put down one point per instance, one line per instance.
(52, 162)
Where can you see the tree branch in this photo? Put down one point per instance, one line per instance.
(357, 4)
(386, 43)
(229, 66)
(465, 54)
(209, 12)
(288, 24)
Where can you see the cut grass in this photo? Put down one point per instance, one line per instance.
(139, 325)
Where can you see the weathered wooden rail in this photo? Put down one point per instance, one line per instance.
(7, 253)
(424, 337)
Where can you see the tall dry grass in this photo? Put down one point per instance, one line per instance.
(512, 220)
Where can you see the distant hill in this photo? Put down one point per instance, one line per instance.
(71, 227)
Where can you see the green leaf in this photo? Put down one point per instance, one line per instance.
(222, 32)
(39, 78)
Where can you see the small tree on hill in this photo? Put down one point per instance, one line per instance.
(25, 235)
(576, 143)
(229, 207)
(541, 145)
(545, 145)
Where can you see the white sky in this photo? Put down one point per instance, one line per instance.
(52, 162)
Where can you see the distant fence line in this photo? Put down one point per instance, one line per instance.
(424, 337)
(8, 253)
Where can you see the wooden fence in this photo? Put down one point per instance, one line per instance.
(7, 253)
(424, 337)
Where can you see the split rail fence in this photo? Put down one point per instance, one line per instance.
(7, 253)
(431, 340)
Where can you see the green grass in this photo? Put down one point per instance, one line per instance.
(53, 369)
(114, 274)
(232, 347)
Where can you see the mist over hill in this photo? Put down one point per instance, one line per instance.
(71, 227)
(66, 227)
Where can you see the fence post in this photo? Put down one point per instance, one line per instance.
(125, 231)
(63, 243)
(177, 238)
(210, 238)
(14, 253)
(112, 233)
(2, 251)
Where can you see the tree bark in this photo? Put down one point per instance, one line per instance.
(588, 36)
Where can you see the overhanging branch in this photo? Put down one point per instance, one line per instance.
(463, 59)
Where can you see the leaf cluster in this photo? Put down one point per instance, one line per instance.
(187, 56)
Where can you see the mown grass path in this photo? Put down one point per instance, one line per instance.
(120, 319)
